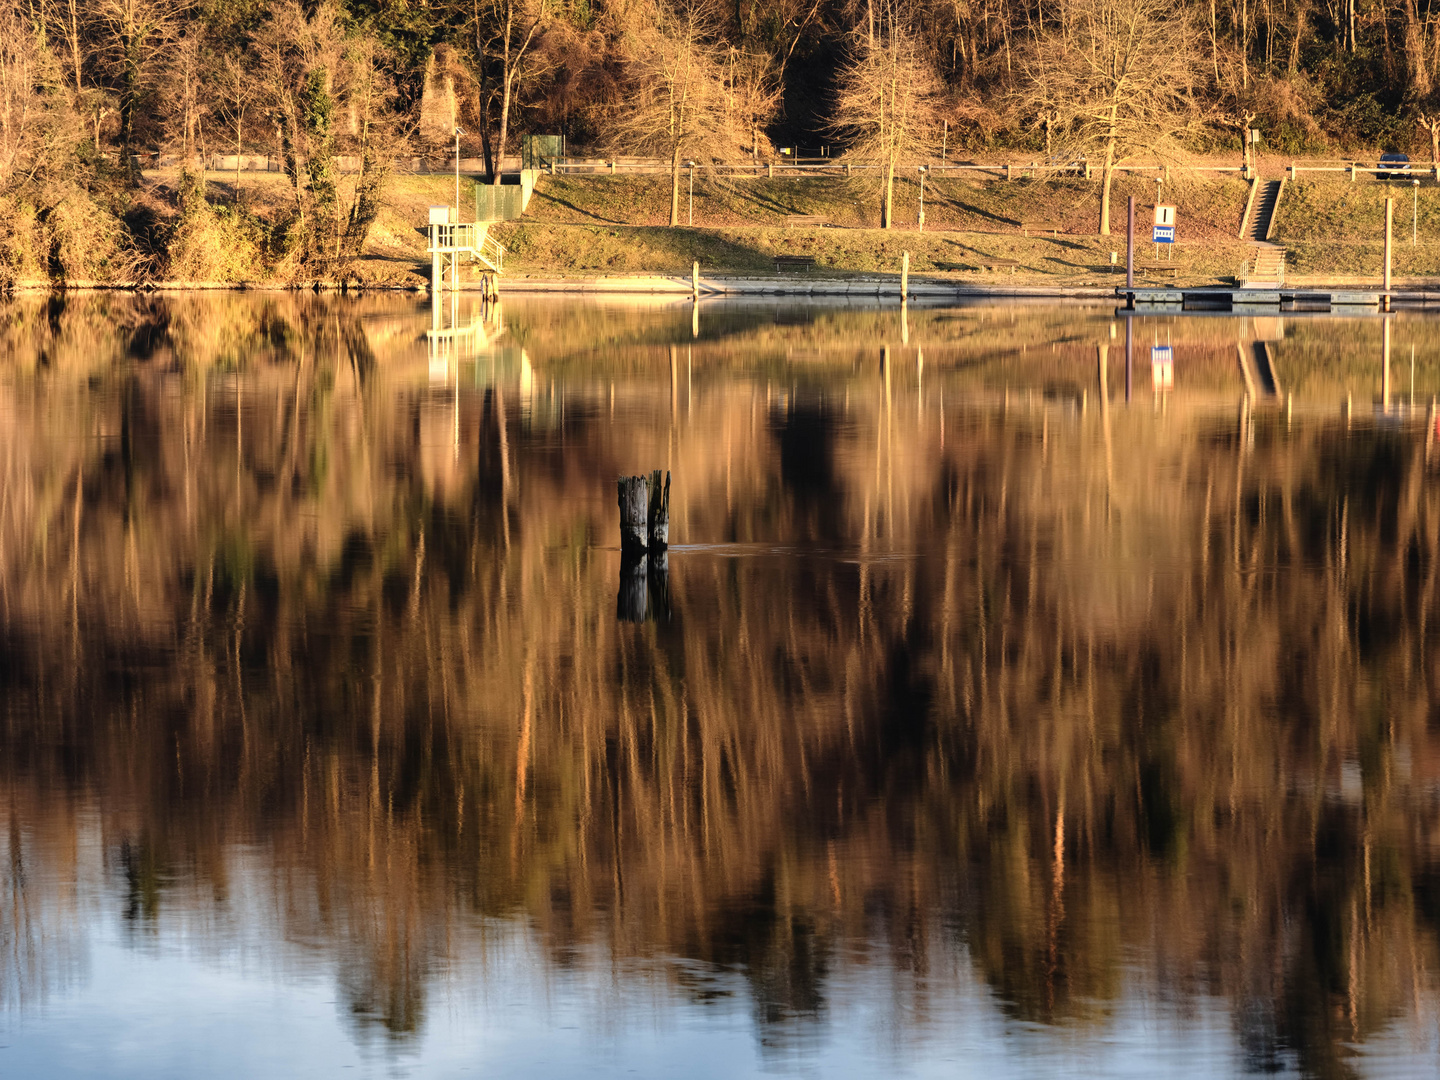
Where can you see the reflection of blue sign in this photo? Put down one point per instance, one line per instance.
(1162, 367)
(1164, 234)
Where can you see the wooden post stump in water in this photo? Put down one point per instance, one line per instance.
(634, 520)
(658, 518)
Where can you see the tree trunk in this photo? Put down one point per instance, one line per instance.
(1106, 178)
(887, 209)
(72, 34)
(1420, 84)
(675, 185)
(504, 132)
(129, 101)
(239, 123)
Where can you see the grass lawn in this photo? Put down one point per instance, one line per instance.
(616, 225)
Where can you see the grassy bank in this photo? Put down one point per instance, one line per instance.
(1334, 229)
(615, 225)
(579, 226)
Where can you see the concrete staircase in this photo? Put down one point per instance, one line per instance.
(1266, 268)
(1262, 212)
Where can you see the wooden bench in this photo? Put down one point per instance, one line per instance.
(794, 262)
(793, 221)
(1040, 227)
(1158, 269)
(988, 263)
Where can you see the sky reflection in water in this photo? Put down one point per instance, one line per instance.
(997, 714)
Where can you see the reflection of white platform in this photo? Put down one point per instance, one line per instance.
(460, 341)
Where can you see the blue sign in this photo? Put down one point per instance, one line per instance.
(1164, 234)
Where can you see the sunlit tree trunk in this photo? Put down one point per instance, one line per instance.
(1107, 177)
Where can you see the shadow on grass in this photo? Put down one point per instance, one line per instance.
(587, 214)
(969, 208)
(669, 251)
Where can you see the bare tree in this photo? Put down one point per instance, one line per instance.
(235, 91)
(26, 66)
(887, 102)
(66, 15)
(752, 96)
(513, 27)
(677, 98)
(1430, 121)
(325, 93)
(135, 34)
(183, 102)
(297, 56)
(1243, 120)
(1120, 80)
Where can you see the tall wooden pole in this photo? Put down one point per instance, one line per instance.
(1130, 244)
(1389, 224)
(904, 276)
(1129, 351)
(1385, 374)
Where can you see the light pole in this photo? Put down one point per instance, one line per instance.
(458, 133)
(1414, 212)
(691, 164)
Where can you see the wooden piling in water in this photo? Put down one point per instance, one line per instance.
(904, 276)
(634, 498)
(632, 599)
(1389, 222)
(658, 518)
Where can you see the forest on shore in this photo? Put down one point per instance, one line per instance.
(339, 91)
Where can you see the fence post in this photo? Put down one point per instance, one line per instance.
(772, 170)
(904, 276)
(1352, 172)
(612, 166)
(1008, 171)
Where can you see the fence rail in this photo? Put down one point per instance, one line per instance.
(1398, 171)
(794, 167)
(828, 166)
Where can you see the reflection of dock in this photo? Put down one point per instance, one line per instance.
(1239, 300)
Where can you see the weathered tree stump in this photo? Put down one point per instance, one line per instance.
(659, 514)
(634, 506)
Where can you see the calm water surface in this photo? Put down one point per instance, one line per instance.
(999, 711)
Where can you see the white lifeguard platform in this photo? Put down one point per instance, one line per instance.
(448, 237)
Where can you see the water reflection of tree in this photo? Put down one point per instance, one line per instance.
(1060, 713)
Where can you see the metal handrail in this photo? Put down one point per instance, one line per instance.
(492, 252)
